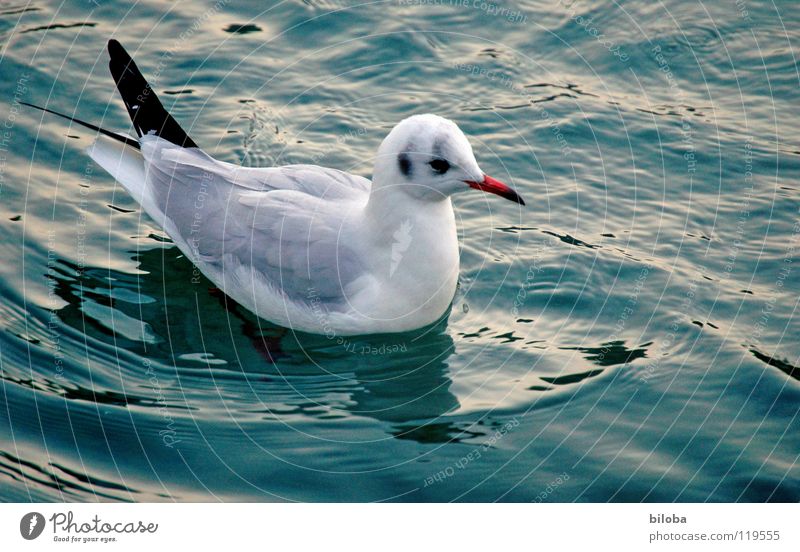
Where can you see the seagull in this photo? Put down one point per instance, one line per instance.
(310, 248)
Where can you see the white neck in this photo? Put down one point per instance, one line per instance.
(415, 248)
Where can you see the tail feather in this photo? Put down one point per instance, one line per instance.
(144, 107)
(125, 164)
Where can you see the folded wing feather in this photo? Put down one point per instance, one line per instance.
(278, 222)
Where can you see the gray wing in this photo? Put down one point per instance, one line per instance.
(283, 223)
(313, 180)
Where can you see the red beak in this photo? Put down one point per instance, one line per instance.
(496, 187)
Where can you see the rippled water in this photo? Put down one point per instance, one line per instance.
(629, 335)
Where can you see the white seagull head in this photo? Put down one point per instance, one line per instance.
(428, 158)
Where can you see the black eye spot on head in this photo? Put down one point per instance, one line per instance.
(439, 166)
(404, 161)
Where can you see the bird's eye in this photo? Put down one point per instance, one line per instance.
(439, 166)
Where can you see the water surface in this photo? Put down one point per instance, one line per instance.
(630, 335)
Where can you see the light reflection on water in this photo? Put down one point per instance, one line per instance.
(629, 332)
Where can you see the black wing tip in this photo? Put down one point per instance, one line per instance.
(118, 53)
(123, 68)
(144, 108)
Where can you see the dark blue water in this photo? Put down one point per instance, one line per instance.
(631, 335)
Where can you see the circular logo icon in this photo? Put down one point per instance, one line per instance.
(31, 525)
